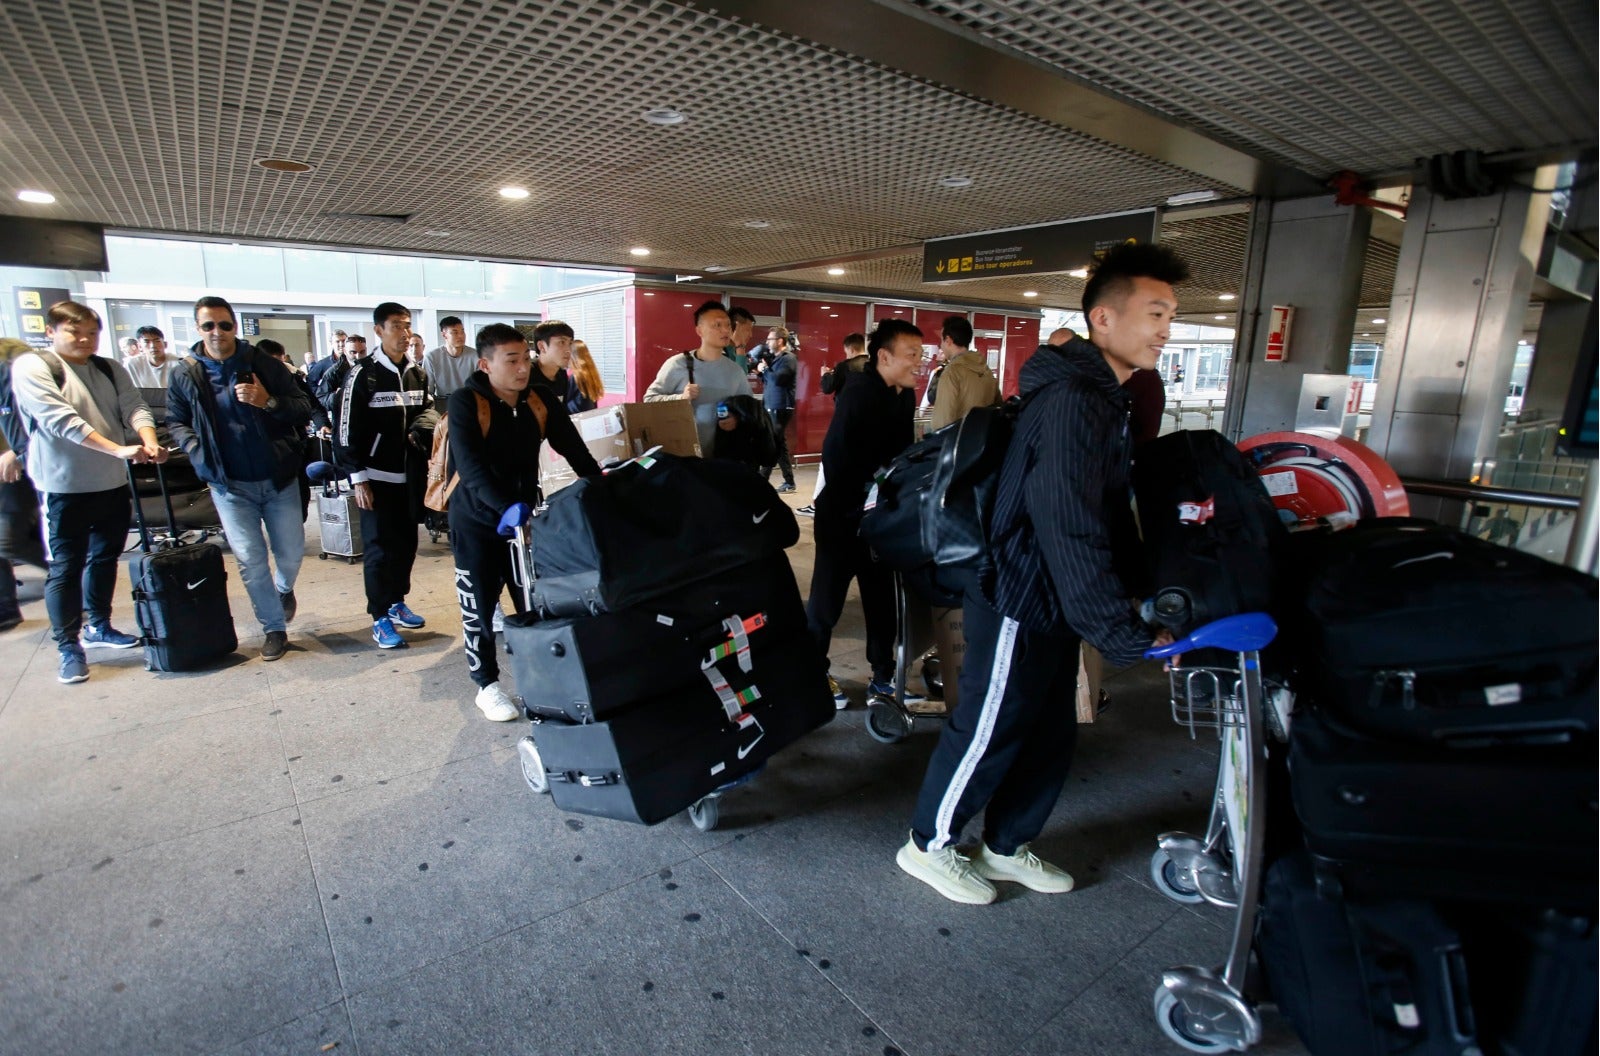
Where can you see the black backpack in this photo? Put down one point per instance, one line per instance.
(927, 514)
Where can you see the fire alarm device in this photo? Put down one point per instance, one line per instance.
(1278, 325)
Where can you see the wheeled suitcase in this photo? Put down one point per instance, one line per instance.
(1363, 978)
(1505, 822)
(646, 529)
(180, 598)
(1410, 629)
(1212, 537)
(587, 668)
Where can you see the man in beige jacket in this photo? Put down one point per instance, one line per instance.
(965, 381)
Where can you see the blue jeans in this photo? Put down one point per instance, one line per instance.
(245, 507)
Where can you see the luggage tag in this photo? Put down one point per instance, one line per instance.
(735, 702)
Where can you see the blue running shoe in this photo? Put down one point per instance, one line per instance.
(401, 614)
(74, 668)
(106, 636)
(385, 635)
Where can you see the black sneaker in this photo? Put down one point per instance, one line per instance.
(290, 606)
(275, 646)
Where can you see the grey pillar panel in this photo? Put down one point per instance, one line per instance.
(1461, 289)
(1314, 254)
(1555, 359)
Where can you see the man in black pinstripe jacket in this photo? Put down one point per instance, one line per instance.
(1063, 528)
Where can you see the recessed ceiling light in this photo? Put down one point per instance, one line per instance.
(663, 116)
(1219, 317)
(515, 193)
(835, 271)
(439, 234)
(1030, 293)
(758, 224)
(1079, 273)
(833, 315)
(1193, 197)
(899, 311)
(649, 293)
(36, 197)
(1227, 296)
(955, 182)
(716, 267)
(825, 307)
(639, 251)
(284, 165)
(1375, 321)
(688, 306)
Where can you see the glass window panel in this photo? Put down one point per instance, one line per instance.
(320, 271)
(454, 278)
(230, 267)
(385, 278)
(169, 261)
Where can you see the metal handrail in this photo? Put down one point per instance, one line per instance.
(1453, 489)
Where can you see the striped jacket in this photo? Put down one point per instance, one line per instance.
(376, 407)
(1065, 540)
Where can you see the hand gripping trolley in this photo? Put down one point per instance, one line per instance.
(1205, 1009)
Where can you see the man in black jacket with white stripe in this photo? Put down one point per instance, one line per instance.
(382, 396)
(1062, 528)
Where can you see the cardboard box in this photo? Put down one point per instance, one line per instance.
(622, 431)
(950, 636)
(1090, 667)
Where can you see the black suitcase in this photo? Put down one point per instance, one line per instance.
(1212, 537)
(1362, 979)
(1534, 980)
(180, 598)
(585, 668)
(1411, 629)
(1510, 822)
(653, 760)
(645, 529)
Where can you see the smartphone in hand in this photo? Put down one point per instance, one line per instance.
(244, 377)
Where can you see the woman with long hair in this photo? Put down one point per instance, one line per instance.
(587, 375)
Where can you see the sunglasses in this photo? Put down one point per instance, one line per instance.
(225, 326)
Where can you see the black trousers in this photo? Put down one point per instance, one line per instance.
(1008, 744)
(389, 546)
(483, 571)
(780, 430)
(87, 532)
(840, 558)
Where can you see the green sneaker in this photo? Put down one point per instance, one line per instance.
(948, 872)
(1025, 868)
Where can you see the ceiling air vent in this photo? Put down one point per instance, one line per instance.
(380, 218)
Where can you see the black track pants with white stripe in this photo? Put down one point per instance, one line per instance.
(1008, 744)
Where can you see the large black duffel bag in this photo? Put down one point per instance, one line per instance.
(647, 528)
(1409, 629)
(1212, 537)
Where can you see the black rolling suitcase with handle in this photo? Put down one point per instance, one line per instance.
(180, 598)
(1212, 536)
(1411, 630)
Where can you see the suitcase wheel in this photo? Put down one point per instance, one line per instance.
(533, 771)
(1172, 881)
(322, 557)
(886, 723)
(705, 812)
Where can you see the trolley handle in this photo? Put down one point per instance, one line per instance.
(1247, 632)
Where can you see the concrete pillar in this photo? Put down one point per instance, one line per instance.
(1309, 253)
(1461, 290)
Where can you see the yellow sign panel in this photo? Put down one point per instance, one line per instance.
(28, 299)
(966, 263)
(33, 324)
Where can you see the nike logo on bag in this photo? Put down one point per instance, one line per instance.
(196, 583)
(757, 519)
(746, 749)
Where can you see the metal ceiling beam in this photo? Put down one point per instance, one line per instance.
(903, 38)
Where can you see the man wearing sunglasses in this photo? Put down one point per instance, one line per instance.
(239, 416)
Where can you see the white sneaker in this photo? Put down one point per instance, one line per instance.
(495, 705)
(1025, 868)
(948, 872)
(841, 700)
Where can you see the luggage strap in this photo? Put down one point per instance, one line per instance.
(737, 643)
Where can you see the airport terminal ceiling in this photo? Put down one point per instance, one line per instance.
(812, 135)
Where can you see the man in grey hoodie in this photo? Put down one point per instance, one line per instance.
(80, 410)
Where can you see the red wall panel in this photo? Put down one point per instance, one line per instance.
(822, 327)
(663, 324)
(1022, 340)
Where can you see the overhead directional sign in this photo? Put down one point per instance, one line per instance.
(1038, 250)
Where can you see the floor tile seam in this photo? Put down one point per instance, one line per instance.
(116, 851)
(815, 968)
(38, 646)
(279, 1026)
(350, 995)
(1092, 983)
(316, 887)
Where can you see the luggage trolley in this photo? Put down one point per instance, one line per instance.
(1205, 1009)
(889, 720)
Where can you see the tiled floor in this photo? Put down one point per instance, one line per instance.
(336, 853)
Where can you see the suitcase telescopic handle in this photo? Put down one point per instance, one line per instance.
(522, 570)
(138, 507)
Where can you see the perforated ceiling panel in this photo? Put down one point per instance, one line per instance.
(1368, 85)
(149, 114)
